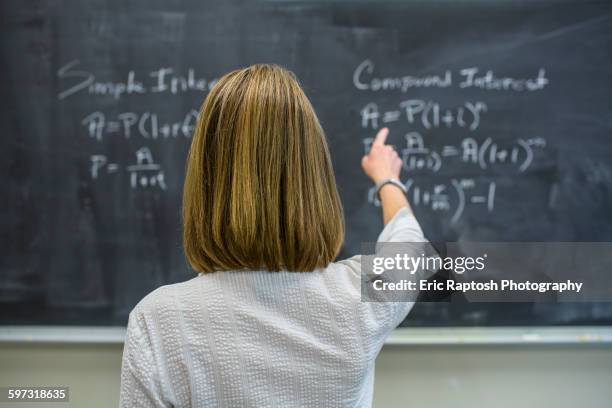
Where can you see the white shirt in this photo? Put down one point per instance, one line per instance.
(261, 339)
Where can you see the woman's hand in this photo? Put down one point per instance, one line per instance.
(383, 161)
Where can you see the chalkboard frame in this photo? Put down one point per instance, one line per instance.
(592, 336)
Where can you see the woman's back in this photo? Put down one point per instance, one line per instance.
(261, 339)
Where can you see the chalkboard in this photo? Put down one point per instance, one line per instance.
(501, 112)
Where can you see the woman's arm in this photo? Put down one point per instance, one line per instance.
(383, 162)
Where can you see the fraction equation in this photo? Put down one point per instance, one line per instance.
(417, 156)
(452, 197)
(144, 173)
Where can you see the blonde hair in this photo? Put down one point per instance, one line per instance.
(259, 188)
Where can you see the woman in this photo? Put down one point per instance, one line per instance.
(270, 320)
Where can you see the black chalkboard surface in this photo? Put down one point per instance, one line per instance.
(501, 111)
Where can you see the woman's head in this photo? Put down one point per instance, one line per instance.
(259, 189)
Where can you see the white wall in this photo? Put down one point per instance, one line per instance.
(406, 376)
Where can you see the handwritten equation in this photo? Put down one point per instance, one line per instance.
(428, 114)
(146, 125)
(452, 197)
(417, 156)
(144, 173)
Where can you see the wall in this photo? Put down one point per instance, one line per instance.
(415, 376)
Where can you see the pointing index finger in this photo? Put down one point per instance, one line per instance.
(381, 137)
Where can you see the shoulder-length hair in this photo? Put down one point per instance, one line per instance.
(260, 191)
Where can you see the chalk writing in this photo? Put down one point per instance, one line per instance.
(144, 173)
(160, 80)
(451, 197)
(428, 114)
(422, 117)
(146, 125)
(417, 156)
(364, 79)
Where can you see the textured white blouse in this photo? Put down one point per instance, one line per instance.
(261, 339)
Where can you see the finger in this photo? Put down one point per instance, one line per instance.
(381, 137)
